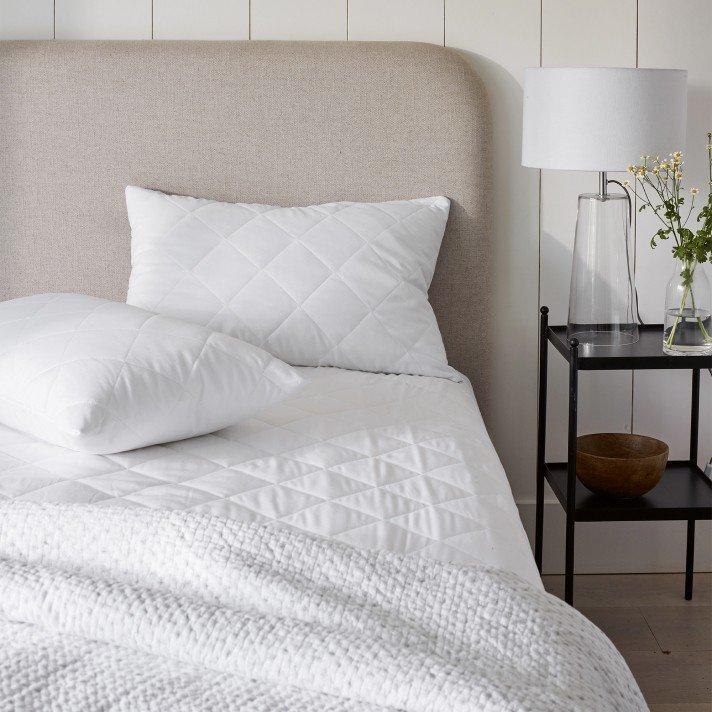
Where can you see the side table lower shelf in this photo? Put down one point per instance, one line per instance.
(683, 493)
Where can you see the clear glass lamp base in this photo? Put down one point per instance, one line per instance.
(603, 337)
(603, 309)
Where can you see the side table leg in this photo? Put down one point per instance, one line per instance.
(571, 472)
(541, 437)
(689, 559)
(694, 439)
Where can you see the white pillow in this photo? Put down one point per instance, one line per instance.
(340, 284)
(102, 377)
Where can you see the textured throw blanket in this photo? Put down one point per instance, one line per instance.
(120, 609)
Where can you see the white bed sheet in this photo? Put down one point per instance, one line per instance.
(401, 463)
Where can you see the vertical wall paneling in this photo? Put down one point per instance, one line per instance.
(201, 19)
(596, 34)
(675, 35)
(103, 19)
(413, 20)
(26, 19)
(298, 20)
(579, 34)
(500, 40)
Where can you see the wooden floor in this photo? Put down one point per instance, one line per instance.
(666, 640)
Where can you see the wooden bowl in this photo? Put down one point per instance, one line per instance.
(620, 465)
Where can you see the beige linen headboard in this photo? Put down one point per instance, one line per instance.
(270, 122)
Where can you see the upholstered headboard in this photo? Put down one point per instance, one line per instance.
(270, 122)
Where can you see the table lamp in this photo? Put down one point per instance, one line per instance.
(602, 119)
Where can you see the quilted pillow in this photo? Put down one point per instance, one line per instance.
(102, 377)
(339, 284)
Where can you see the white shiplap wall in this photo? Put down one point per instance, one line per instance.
(534, 213)
(203, 20)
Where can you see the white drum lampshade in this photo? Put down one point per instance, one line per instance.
(602, 119)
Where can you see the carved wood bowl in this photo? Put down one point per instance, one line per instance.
(620, 465)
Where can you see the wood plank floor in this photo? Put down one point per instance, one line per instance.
(666, 640)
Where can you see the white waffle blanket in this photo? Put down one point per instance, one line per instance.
(118, 609)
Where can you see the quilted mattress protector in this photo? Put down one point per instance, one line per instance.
(400, 463)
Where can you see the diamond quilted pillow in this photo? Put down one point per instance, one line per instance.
(339, 284)
(102, 377)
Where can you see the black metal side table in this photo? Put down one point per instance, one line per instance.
(684, 492)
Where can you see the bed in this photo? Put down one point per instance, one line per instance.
(70, 147)
(399, 468)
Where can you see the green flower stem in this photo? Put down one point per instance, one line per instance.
(678, 318)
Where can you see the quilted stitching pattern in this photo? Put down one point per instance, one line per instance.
(255, 602)
(389, 462)
(101, 376)
(340, 284)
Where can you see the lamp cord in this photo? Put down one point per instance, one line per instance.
(627, 253)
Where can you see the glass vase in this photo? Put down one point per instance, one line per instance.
(688, 304)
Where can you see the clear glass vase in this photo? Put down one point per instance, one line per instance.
(603, 309)
(688, 303)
